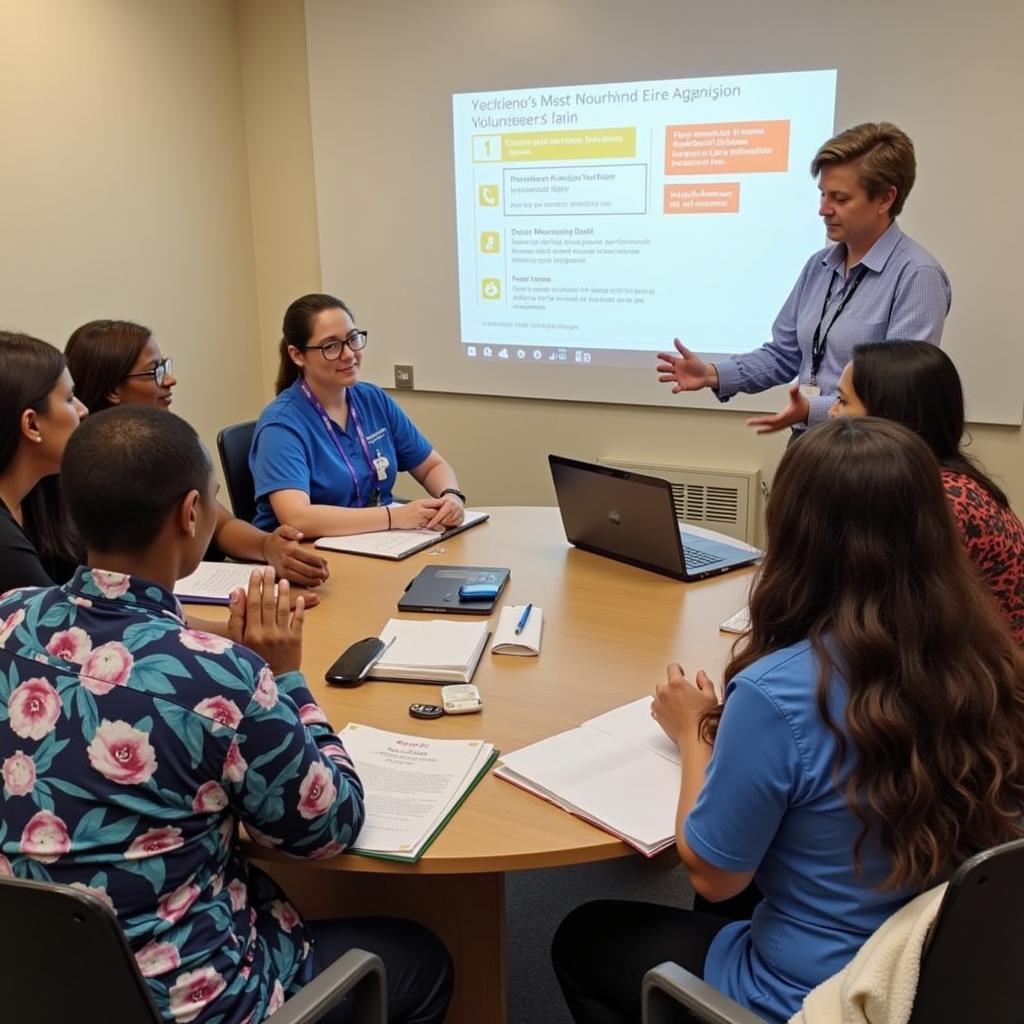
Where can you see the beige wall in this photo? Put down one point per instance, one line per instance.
(124, 177)
(496, 444)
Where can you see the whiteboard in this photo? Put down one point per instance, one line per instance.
(382, 77)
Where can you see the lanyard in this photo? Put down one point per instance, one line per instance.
(329, 426)
(819, 340)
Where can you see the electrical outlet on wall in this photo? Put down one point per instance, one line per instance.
(403, 377)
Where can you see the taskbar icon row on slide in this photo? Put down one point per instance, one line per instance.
(516, 353)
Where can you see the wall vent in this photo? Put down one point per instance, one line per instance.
(717, 499)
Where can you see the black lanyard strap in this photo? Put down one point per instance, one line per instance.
(819, 341)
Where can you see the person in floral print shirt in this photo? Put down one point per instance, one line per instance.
(131, 747)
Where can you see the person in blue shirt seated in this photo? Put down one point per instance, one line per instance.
(117, 362)
(326, 451)
(133, 747)
(870, 739)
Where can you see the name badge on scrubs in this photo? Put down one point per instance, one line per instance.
(381, 464)
(810, 390)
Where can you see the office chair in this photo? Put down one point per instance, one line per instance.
(968, 967)
(233, 444)
(63, 957)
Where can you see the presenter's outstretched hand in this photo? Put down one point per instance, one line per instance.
(678, 703)
(261, 620)
(796, 412)
(291, 561)
(416, 515)
(685, 371)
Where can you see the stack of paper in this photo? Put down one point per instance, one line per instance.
(435, 651)
(739, 622)
(618, 771)
(412, 787)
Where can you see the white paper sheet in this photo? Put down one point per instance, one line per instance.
(410, 782)
(212, 582)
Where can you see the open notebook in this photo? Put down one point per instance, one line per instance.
(618, 771)
(396, 544)
(212, 582)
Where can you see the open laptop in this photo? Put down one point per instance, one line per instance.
(632, 518)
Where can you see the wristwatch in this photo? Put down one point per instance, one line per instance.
(453, 490)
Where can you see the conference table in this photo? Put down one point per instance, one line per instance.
(609, 631)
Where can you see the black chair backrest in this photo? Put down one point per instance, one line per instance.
(970, 963)
(233, 444)
(62, 947)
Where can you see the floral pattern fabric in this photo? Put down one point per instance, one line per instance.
(130, 749)
(994, 538)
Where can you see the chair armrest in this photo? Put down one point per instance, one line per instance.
(669, 984)
(357, 971)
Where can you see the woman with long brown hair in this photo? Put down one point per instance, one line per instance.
(39, 409)
(871, 739)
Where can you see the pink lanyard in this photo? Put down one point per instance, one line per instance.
(329, 426)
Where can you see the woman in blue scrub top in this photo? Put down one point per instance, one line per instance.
(868, 744)
(327, 450)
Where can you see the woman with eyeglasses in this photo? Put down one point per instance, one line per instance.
(327, 450)
(38, 412)
(120, 363)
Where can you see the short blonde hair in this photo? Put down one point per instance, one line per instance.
(884, 156)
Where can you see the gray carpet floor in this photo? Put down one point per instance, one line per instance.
(536, 902)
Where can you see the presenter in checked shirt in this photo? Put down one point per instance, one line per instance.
(874, 283)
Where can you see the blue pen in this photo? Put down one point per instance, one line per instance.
(522, 618)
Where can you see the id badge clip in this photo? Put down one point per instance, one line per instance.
(381, 464)
(810, 390)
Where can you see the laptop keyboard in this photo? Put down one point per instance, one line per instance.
(697, 559)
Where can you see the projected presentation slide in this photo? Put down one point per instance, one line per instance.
(597, 222)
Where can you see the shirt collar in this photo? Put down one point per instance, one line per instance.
(120, 588)
(874, 259)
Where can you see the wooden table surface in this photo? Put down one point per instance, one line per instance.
(609, 631)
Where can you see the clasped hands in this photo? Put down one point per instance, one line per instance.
(686, 371)
(437, 514)
(679, 703)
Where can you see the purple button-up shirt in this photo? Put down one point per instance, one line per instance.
(904, 296)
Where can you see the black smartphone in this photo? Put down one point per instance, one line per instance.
(351, 668)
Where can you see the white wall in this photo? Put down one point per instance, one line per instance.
(382, 77)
